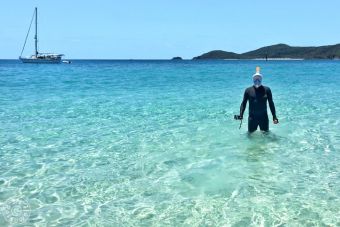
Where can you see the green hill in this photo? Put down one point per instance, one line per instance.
(278, 51)
(218, 54)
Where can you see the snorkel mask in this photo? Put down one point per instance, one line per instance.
(257, 78)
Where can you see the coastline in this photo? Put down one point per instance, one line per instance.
(269, 59)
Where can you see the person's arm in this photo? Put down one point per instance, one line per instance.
(271, 104)
(243, 104)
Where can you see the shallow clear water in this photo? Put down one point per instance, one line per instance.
(154, 143)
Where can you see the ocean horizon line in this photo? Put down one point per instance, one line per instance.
(169, 59)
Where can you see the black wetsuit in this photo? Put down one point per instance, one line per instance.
(258, 115)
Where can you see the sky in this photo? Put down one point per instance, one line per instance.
(162, 29)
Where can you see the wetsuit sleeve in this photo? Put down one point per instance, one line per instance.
(244, 103)
(271, 103)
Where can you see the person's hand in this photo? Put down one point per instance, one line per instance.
(275, 121)
(238, 117)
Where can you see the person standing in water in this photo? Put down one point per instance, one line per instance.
(258, 95)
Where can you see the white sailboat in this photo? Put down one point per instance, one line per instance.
(39, 57)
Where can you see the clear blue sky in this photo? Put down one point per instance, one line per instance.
(161, 29)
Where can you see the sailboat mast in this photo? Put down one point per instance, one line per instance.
(36, 32)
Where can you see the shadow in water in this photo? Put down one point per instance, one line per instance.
(259, 145)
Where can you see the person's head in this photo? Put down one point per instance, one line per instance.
(257, 78)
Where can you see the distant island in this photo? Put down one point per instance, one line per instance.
(177, 58)
(279, 51)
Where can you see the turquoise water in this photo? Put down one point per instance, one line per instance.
(154, 143)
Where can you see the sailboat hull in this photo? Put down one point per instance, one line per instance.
(41, 61)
